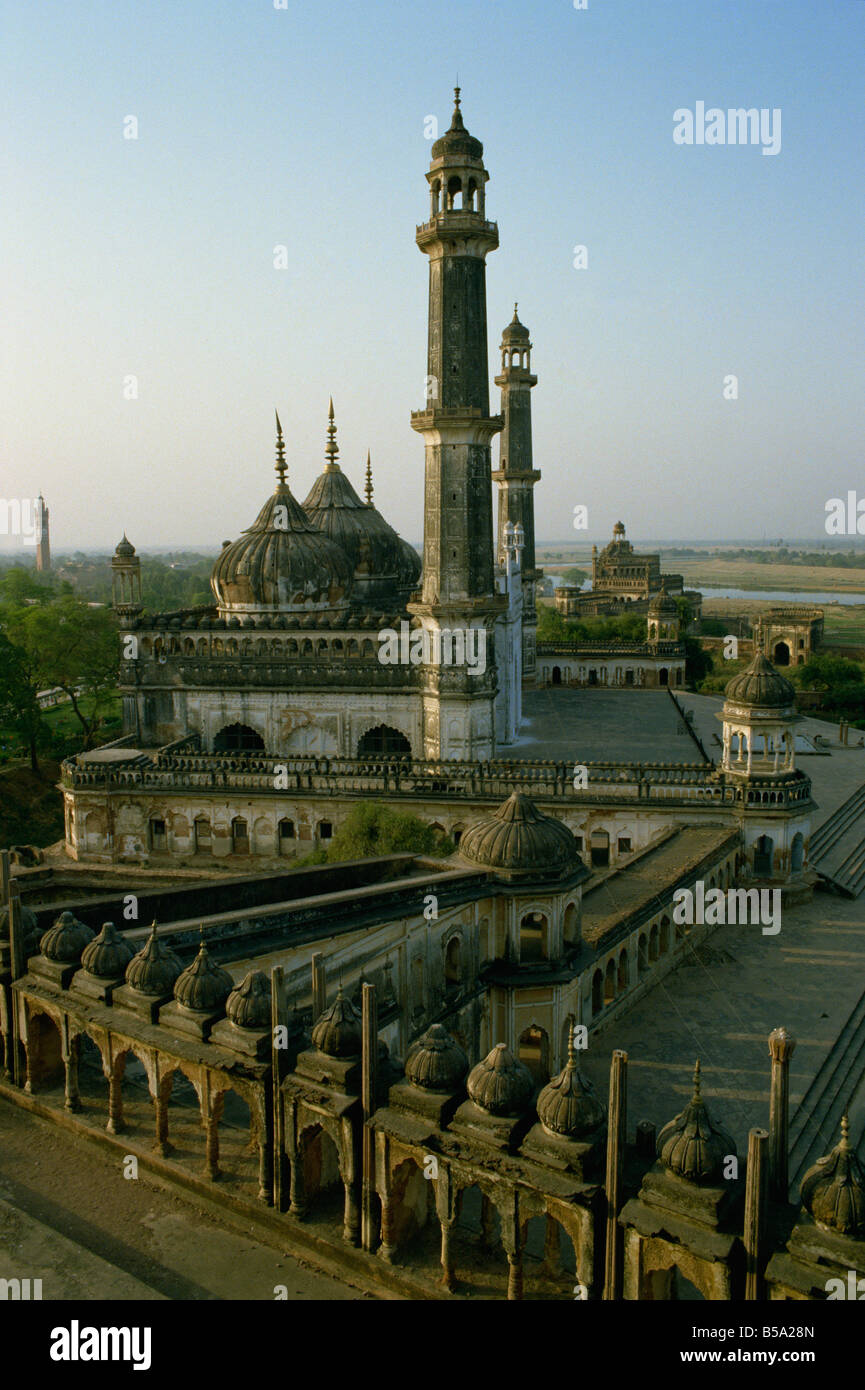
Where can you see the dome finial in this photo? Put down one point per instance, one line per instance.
(331, 448)
(572, 1049)
(515, 318)
(368, 486)
(696, 1097)
(280, 452)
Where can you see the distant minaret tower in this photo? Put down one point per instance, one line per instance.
(516, 477)
(126, 581)
(458, 589)
(43, 540)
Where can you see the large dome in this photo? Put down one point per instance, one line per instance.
(281, 562)
(760, 685)
(518, 841)
(378, 556)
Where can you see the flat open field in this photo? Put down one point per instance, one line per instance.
(745, 574)
(714, 572)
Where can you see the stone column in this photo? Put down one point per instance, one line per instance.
(70, 1047)
(515, 1275)
(616, 1133)
(781, 1047)
(448, 1278)
(115, 1123)
(369, 1077)
(160, 1102)
(755, 1213)
(212, 1115)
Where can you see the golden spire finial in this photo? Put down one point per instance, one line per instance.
(572, 1048)
(368, 487)
(281, 467)
(845, 1134)
(331, 448)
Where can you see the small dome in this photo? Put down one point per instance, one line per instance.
(518, 840)
(125, 549)
(436, 1062)
(456, 140)
(833, 1190)
(500, 1084)
(248, 1004)
(155, 968)
(337, 1032)
(108, 956)
(567, 1105)
(619, 528)
(761, 685)
(65, 941)
(691, 1146)
(515, 332)
(203, 985)
(662, 606)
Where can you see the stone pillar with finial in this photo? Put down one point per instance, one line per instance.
(616, 1136)
(755, 1212)
(781, 1047)
(369, 1079)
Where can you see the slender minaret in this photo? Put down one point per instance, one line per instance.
(458, 589)
(43, 540)
(515, 476)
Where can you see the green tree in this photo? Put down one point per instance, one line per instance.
(371, 829)
(19, 707)
(76, 648)
(698, 662)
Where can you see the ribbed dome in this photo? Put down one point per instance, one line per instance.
(567, 1105)
(338, 1030)
(662, 606)
(203, 985)
(436, 1062)
(373, 547)
(155, 968)
(515, 332)
(281, 562)
(500, 1084)
(108, 956)
(248, 1004)
(518, 840)
(691, 1146)
(761, 685)
(65, 941)
(125, 549)
(456, 140)
(833, 1190)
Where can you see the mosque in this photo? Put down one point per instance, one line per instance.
(363, 1053)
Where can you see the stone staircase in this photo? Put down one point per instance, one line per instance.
(839, 1086)
(837, 851)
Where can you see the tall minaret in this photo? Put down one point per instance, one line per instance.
(516, 477)
(458, 590)
(43, 540)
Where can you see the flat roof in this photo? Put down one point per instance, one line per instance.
(602, 725)
(641, 882)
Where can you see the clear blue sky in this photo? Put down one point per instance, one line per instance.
(305, 127)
